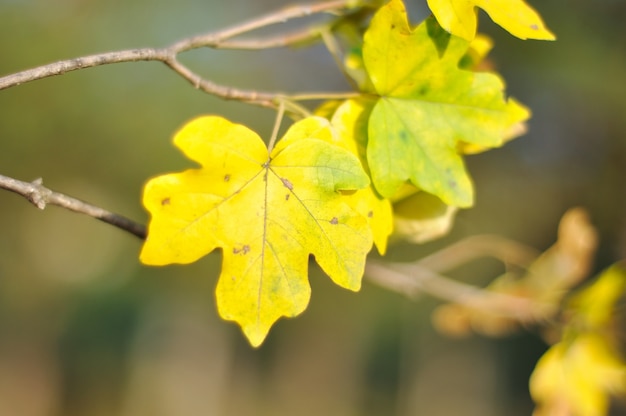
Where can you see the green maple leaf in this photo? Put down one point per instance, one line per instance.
(268, 213)
(428, 107)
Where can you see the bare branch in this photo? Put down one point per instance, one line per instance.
(471, 248)
(308, 34)
(215, 40)
(227, 93)
(62, 67)
(40, 196)
(220, 39)
(412, 279)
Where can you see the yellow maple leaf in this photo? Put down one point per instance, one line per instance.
(515, 16)
(576, 378)
(350, 121)
(267, 211)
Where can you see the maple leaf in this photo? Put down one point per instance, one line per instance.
(515, 16)
(350, 122)
(427, 107)
(268, 213)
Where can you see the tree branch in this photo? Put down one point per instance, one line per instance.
(216, 39)
(413, 279)
(507, 251)
(62, 67)
(220, 39)
(40, 196)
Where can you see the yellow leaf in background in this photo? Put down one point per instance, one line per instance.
(594, 305)
(422, 217)
(350, 121)
(577, 378)
(480, 47)
(459, 17)
(477, 52)
(547, 280)
(267, 212)
(568, 261)
(579, 373)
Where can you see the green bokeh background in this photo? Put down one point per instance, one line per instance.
(86, 330)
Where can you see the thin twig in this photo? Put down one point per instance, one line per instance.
(220, 39)
(314, 96)
(333, 48)
(214, 40)
(40, 196)
(508, 251)
(411, 280)
(251, 96)
(279, 119)
(297, 37)
(62, 67)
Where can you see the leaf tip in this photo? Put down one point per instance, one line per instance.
(255, 336)
(537, 33)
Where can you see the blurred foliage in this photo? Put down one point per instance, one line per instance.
(578, 374)
(85, 330)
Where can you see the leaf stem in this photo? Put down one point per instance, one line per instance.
(313, 96)
(279, 119)
(335, 51)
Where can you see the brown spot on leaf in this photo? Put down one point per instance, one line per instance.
(370, 214)
(245, 249)
(165, 201)
(534, 27)
(334, 221)
(226, 177)
(287, 184)
(287, 197)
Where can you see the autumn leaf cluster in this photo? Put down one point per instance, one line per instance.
(388, 160)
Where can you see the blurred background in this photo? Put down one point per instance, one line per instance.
(85, 330)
